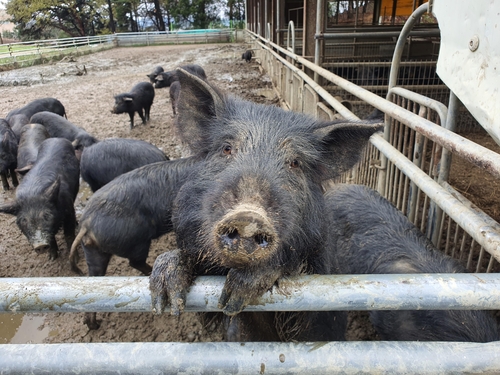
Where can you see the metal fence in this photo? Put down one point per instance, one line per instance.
(175, 37)
(402, 166)
(338, 292)
(22, 54)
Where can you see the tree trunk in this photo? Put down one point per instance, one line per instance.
(112, 26)
(159, 16)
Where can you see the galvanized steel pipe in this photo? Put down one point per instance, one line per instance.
(375, 34)
(405, 32)
(252, 358)
(337, 105)
(320, 11)
(305, 293)
(487, 231)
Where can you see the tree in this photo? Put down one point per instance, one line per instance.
(236, 10)
(73, 17)
(195, 13)
(112, 26)
(127, 15)
(158, 15)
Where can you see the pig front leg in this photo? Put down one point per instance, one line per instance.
(242, 286)
(170, 279)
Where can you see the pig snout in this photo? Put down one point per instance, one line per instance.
(245, 236)
(40, 243)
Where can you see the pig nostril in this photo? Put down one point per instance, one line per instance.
(42, 249)
(233, 234)
(230, 237)
(261, 240)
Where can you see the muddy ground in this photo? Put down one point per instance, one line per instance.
(88, 100)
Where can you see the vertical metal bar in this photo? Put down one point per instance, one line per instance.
(264, 21)
(398, 50)
(320, 10)
(393, 75)
(424, 213)
(446, 156)
(448, 234)
(455, 241)
(471, 252)
(441, 229)
(490, 264)
(462, 245)
(479, 260)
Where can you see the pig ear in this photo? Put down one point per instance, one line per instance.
(343, 145)
(11, 208)
(199, 103)
(52, 192)
(24, 169)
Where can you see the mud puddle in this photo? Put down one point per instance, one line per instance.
(24, 329)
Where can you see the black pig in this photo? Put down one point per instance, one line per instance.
(368, 235)
(8, 154)
(17, 122)
(112, 157)
(154, 73)
(167, 78)
(124, 216)
(45, 198)
(32, 136)
(39, 105)
(175, 90)
(138, 99)
(252, 208)
(247, 56)
(59, 127)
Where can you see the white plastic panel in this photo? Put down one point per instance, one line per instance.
(469, 62)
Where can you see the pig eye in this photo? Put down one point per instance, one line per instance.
(227, 150)
(294, 164)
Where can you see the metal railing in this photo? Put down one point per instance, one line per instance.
(269, 358)
(312, 292)
(488, 236)
(22, 54)
(175, 37)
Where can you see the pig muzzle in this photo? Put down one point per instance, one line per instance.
(244, 236)
(40, 243)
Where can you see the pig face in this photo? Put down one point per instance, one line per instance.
(37, 217)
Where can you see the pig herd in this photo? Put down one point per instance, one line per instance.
(248, 204)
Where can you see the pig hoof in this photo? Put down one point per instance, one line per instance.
(159, 304)
(233, 306)
(168, 283)
(53, 255)
(92, 322)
